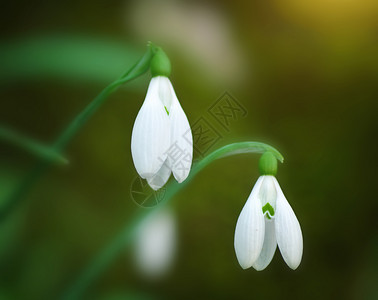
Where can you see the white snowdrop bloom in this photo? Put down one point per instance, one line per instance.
(161, 141)
(155, 244)
(266, 220)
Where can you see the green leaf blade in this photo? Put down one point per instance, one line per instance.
(43, 152)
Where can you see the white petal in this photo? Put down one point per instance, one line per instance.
(165, 91)
(250, 228)
(156, 243)
(151, 134)
(180, 153)
(160, 178)
(288, 231)
(268, 193)
(269, 247)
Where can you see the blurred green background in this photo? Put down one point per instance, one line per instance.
(306, 73)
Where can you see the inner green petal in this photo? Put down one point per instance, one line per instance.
(268, 208)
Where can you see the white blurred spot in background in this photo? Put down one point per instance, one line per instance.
(155, 244)
(201, 34)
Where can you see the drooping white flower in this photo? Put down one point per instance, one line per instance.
(155, 243)
(266, 220)
(161, 141)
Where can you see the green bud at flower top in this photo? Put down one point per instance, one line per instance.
(268, 164)
(160, 64)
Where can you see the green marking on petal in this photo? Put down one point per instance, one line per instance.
(166, 110)
(269, 209)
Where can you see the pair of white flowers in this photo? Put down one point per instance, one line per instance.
(162, 144)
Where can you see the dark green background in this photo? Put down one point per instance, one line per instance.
(308, 79)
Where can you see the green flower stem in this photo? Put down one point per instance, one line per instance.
(100, 262)
(32, 146)
(10, 203)
(138, 69)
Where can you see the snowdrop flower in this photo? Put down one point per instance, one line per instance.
(265, 221)
(161, 141)
(155, 243)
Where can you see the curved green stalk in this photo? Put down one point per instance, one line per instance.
(32, 146)
(126, 235)
(138, 69)
(79, 121)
